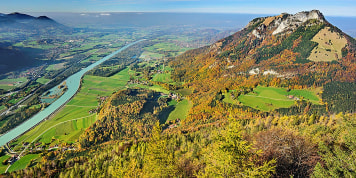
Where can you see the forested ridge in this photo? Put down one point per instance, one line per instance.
(222, 136)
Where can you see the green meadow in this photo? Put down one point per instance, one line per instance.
(2, 107)
(163, 77)
(42, 80)
(23, 162)
(8, 84)
(180, 111)
(56, 66)
(3, 167)
(270, 98)
(171, 48)
(228, 99)
(156, 88)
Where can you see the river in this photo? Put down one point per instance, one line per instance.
(73, 84)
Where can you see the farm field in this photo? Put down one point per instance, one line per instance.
(171, 48)
(180, 111)
(156, 88)
(165, 76)
(3, 167)
(74, 117)
(270, 98)
(8, 84)
(42, 80)
(23, 162)
(56, 66)
(151, 55)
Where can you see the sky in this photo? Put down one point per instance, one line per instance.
(327, 7)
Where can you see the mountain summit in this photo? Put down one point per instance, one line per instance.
(286, 23)
(17, 17)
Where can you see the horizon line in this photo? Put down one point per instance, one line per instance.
(177, 12)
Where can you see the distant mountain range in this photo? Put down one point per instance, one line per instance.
(26, 22)
(17, 27)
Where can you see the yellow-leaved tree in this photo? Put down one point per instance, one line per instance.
(229, 155)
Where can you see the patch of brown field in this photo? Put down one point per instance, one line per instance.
(329, 46)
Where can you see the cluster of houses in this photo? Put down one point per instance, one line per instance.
(39, 147)
(293, 97)
(171, 95)
(13, 159)
(174, 125)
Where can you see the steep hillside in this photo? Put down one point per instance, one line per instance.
(13, 58)
(300, 51)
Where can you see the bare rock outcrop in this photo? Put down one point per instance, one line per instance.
(294, 21)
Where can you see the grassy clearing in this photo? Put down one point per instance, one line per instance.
(8, 84)
(2, 107)
(3, 167)
(171, 48)
(92, 58)
(269, 98)
(309, 95)
(14, 101)
(23, 162)
(163, 77)
(42, 80)
(181, 110)
(67, 131)
(156, 88)
(161, 50)
(185, 91)
(329, 46)
(228, 99)
(56, 66)
(151, 55)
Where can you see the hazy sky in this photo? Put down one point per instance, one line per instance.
(327, 7)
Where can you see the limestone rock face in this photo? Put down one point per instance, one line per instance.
(294, 21)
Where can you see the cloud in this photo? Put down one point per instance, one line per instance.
(105, 14)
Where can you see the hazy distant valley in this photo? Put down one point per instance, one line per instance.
(169, 104)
